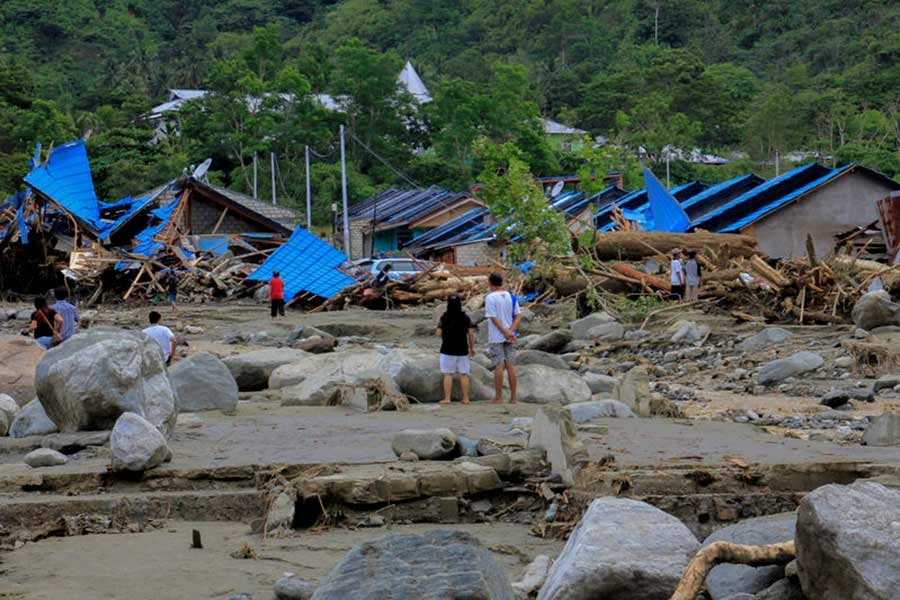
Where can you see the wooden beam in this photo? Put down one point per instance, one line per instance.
(221, 218)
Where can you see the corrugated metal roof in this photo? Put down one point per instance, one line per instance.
(284, 215)
(395, 208)
(718, 194)
(773, 189)
(65, 178)
(552, 127)
(307, 264)
(463, 224)
(637, 201)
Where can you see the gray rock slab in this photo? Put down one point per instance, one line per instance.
(796, 364)
(417, 374)
(875, 309)
(620, 549)
(539, 357)
(584, 412)
(203, 382)
(607, 332)
(288, 588)
(554, 341)
(848, 542)
(436, 565)
(542, 385)
(599, 383)
(725, 580)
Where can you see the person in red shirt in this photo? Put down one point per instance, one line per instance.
(276, 294)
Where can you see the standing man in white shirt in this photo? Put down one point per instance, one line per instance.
(162, 335)
(677, 280)
(503, 314)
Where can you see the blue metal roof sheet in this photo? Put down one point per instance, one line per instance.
(603, 220)
(307, 264)
(66, 179)
(753, 193)
(781, 201)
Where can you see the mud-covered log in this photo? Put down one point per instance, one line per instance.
(726, 552)
(637, 245)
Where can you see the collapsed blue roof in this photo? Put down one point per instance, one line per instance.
(66, 179)
(638, 201)
(716, 195)
(664, 210)
(307, 264)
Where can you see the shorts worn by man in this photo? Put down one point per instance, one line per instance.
(502, 313)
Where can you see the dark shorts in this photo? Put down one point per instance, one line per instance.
(173, 297)
(678, 291)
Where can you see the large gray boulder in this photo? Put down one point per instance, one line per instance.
(765, 338)
(418, 375)
(584, 412)
(539, 357)
(798, 363)
(553, 431)
(727, 579)
(607, 332)
(87, 382)
(137, 445)
(436, 565)
(554, 341)
(582, 327)
(538, 384)
(324, 379)
(884, 430)
(875, 309)
(427, 444)
(32, 420)
(251, 370)
(203, 382)
(621, 549)
(848, 542)
(19, 355)
(633, 390)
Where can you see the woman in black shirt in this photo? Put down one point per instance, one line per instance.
(457, 333)
(45, 324)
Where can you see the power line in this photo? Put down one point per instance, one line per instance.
(384, 162)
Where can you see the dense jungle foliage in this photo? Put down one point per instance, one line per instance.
(756, 77)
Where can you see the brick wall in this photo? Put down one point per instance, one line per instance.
(358, 248)
(205, 215)
(476, 254)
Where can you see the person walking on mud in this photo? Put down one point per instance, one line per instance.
(172, 288)
(503, 314)
(457, 333)
(276, 294)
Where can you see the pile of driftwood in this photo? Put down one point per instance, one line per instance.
(436, 283)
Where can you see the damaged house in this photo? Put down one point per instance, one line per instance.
(210, 238)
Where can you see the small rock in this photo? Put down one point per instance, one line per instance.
(688, 332)
(45, 457)
(281, 512)
(607, 332)
(136, 444)
(581, 327)
(636, 335)
(260, 337)
(467, 447)
(409, 457)
(538, 357)
(765, 338)
(288, 588)
(860, 334)
(534, 576)
(885, 382)
(875, 309)
(426, 444)
(193, 329)
(553, 342)
(843, 362)
(583, 412)
(600, 384)
(554, 431)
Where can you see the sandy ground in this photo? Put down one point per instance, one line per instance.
(160, 564)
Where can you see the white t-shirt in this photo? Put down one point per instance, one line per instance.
(500, 305)
(677, 272)
(163, 336)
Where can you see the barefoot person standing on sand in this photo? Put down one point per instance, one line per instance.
(503, 315)
(457, 333)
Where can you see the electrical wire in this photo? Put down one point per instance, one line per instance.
(384, 162)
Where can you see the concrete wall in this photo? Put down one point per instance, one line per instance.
(358, 246)
(847, 202)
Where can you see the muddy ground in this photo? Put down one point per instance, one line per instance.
(140, 565)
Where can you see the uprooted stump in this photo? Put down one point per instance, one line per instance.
(872, 358)
(726, 552)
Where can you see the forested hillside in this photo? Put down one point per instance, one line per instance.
(755, 76)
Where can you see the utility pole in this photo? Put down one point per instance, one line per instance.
(777, 163)
(308, 194)
(274, 198)
(346, 222)
(255, 166)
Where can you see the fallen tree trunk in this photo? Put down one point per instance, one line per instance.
(725, 552)
(648, 280)
(637, 245)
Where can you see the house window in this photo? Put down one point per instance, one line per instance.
(567, 146)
